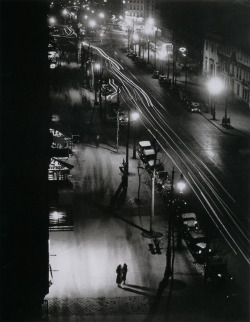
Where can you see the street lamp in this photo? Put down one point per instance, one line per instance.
(215, 87)
(183, 51)
(97, 68)
(162, 55)
(181, 184)
(148, 29)
(92, 24)
(135, 38)
(52, 21)
(132, 116)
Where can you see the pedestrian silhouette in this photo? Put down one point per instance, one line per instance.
(124, 273)
(97, 141)
(119, 275)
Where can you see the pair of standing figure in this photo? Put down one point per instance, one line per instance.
(121, 272)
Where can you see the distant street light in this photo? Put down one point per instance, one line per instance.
(101, 15)
(92, 23)
(52, 21)
(65, 12)
(148, 30)
(183, 51)
(162, 54)
(215, 86)
(97, 68)
(135, 38)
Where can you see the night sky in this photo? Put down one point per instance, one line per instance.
(192, 19)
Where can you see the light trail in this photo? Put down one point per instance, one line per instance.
(214, 205)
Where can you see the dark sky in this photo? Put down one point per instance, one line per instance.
(193, 19)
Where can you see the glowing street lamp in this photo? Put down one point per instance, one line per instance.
(215, 87)
(65, 12)
(148, 30)
(135, 38)
(92, 23)
(101, 15)
(52, 21)
(162, 54)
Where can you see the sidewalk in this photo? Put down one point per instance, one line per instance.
(107, 234)
(84, 260)
(237, 110)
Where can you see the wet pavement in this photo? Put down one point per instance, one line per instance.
(106, 234)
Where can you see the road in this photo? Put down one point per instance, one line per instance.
(192, 145)
(83, 261)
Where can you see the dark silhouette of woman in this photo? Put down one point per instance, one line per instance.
(119, 275)
(124, 273)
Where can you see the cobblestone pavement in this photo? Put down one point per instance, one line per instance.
(88, 306)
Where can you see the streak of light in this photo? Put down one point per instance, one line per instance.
(132, 94)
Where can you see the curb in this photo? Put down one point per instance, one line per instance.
(240, 133)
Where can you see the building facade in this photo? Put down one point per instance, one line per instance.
(210, 56)
(230, 63)
(140, 8)
(235, 70)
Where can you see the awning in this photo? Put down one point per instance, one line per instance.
(63, 163)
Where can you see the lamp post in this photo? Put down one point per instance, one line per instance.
(97, 68)
(180, 186)
(65, 14)
(135, 40)
(162, 55)
(132, 116)
(183, 51)
(148, 29)
(215, 87)
(92, 25)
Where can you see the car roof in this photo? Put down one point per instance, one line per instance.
(188, 215)
(197, 234)
(144, 143)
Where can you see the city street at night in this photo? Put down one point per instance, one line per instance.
(125, 161)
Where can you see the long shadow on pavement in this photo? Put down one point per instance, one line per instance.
(132, 224)
(141, 287)
(137, 292)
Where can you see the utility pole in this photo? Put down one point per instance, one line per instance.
(173, 78)
(127, 146)
(168, 271)
(152, 202)
(117, 118)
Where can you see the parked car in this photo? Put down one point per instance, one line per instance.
(139, 60)
(188, 221)
(161, 178)
(156, 74)
(123, 117)
(144, 145)
(193, 106)
(215, 271)
(197, 243)
(162, 79)
(147, 155)
(154, 165)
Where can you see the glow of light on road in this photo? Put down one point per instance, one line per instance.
(140, 97)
